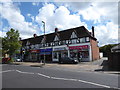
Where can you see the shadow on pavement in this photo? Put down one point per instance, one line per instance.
(105, 67)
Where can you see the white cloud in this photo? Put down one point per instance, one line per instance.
(16, 20)
(107, 34)
(2, 34)
(35, 3)
(58, 17)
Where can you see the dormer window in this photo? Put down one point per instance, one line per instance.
(73, 35)
(56, 38)
(43, 40)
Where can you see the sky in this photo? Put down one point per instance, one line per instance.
(27, 17)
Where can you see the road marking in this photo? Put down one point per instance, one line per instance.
(64, 79)
(58, 78)
(94, 84)
(24, 72)
(6, 71)
(43, 75)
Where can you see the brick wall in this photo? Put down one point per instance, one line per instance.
(94, 50)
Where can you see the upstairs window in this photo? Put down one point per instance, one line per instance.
(78, 40)
(67, 41)
(82, 40)
(73, 41)
(87, 39)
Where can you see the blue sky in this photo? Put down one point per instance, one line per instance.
(27, 17)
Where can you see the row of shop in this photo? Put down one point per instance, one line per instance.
(55, 53)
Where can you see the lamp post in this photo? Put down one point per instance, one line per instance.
(44, 40)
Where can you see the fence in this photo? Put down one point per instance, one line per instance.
(114, 61)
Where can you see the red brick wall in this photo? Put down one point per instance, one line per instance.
(94, 50)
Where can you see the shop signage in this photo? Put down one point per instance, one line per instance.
(47, 51)
(60, 49)
(34, 51)
(78, 47)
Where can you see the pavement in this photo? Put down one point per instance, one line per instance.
(94, 66)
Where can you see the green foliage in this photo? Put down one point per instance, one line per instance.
(11, 42)
(106, 49)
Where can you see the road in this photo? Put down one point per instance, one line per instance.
(19, 76)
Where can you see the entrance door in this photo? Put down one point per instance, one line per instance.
(56, 56)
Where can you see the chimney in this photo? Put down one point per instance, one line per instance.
(34, 35)
(93, 31)
(56, 30)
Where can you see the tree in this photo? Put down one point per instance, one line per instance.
(11, 43)
(106, 49)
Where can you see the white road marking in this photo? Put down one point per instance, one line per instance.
(43, 75)
(24, 72)
(94, 84)
(58, 78)
(6, 71)
(64, 79)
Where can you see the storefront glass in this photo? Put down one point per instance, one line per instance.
(80, 53)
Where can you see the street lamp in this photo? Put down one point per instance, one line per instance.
(44, 40)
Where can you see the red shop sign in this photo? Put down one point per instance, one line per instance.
(78, 47)
(34, 51)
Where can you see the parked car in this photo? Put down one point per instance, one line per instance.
(68, 60)
(18, 60)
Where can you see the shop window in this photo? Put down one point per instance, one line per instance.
(73, 54)
(84, 54)
(64, 54)
(55, 55)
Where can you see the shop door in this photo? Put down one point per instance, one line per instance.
(56, 56)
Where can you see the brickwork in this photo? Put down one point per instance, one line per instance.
(95, 50)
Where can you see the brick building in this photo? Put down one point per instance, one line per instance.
(74, 43)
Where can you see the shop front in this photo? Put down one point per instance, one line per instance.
(81, 52)
(58, 52)
(48, 54)
(34, 55)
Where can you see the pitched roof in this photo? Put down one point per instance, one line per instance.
(63, 35)
(116, 47)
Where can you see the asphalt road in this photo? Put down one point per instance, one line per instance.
(18, 76)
